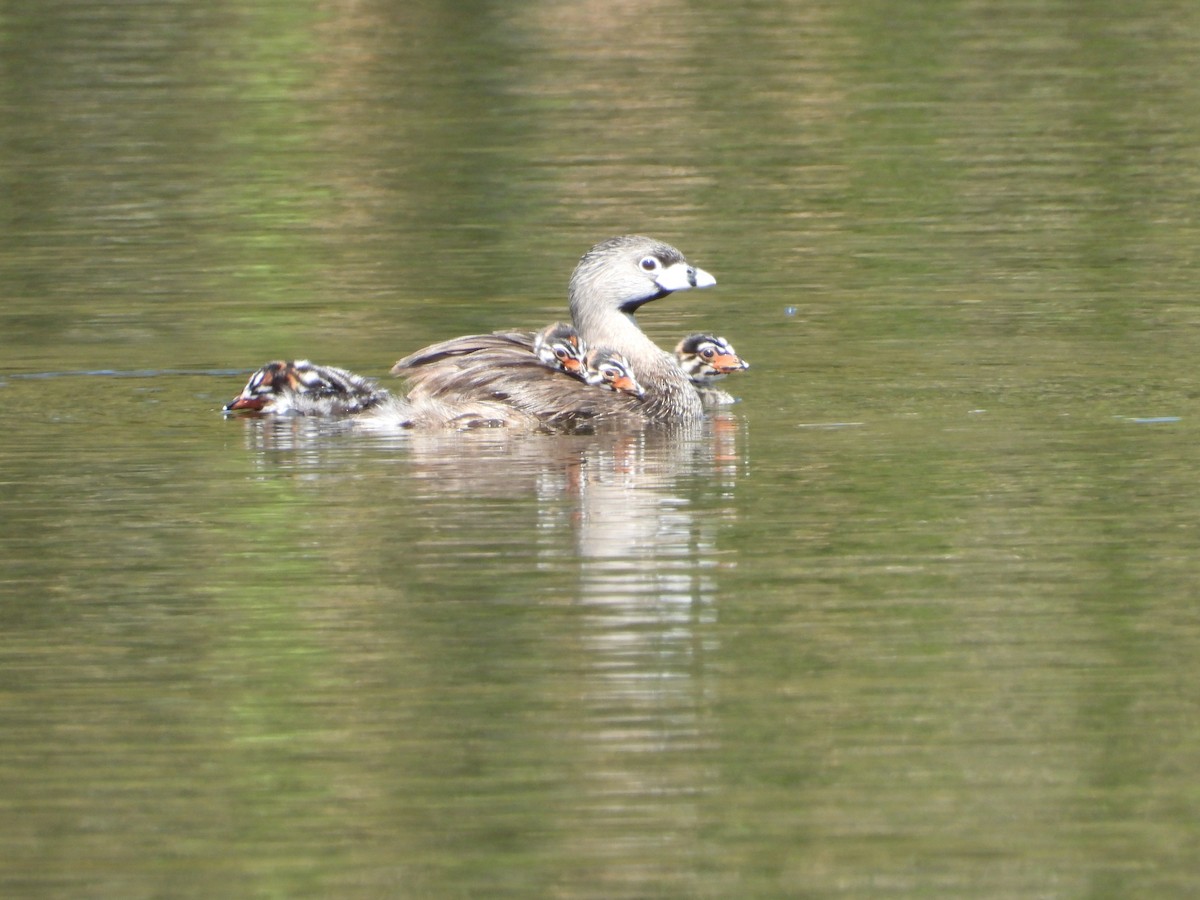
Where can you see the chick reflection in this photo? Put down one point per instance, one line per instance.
(627, 528)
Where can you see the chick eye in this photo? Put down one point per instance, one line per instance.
(708, 352)
(649, 264)
(561, 352)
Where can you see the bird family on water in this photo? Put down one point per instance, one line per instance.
(600, 366)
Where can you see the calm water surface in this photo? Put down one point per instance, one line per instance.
(915, 618)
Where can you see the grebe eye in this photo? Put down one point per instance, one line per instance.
(649, 264)
(708, 352)
(561, 352)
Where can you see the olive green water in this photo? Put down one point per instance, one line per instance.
(917, 618)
